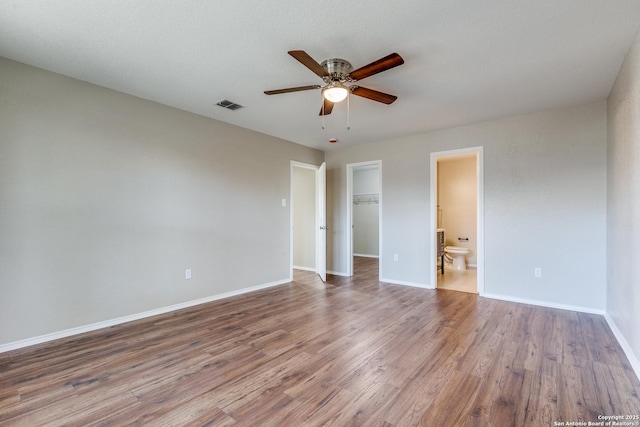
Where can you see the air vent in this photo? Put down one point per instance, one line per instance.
(229, 105)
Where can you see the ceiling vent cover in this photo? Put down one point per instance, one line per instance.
(229, 105)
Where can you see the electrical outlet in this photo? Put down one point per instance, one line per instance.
(537, 272)
(395, 257)
(187, 274)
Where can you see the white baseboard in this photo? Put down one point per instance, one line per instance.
(297, 267)
(628, 351)
(633, 358)
(112, 322)
(366, 256)
(545, 304)
(402, 282)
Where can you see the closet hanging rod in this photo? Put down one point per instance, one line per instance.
(367, 198)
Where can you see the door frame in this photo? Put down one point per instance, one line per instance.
(321, 221)
(349, 213)
(316, 169)
(478, 151)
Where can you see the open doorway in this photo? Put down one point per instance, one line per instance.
(308, 218)
(364, 201)
(457, 220)
(303, 218)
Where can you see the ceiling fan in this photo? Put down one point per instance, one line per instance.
(335, 72)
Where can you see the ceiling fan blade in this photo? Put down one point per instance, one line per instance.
(378, 66)
(291, 89)
(327, 107)
(374, 95)
(304, 58)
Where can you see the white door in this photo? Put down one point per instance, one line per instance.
(321, 237)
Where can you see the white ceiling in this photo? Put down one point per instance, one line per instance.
(465, 60)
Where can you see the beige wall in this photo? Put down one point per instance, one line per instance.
(106, 199)
(457, 198)
(623, 201)
(544, 204)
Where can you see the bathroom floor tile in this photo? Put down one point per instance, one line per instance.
(464, 281)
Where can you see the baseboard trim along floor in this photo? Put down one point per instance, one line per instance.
(124, 319)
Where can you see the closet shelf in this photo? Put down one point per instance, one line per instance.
(366, 198)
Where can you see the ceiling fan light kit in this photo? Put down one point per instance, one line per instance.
(335, 92)
(335, 72)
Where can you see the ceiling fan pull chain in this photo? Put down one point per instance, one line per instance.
(348, 109)
(322, 96)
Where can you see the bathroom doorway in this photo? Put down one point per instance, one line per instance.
(364, 200)
(457, 200)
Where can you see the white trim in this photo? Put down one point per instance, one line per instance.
(322, 221)
(112, 322)
(545, 304)
(404, 283)
(478, 151)
(297, 267)
(297, 164)
(633, 359)
(366, 256)
(349, 211)
(628, 351)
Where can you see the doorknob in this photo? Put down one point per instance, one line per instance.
(324, 228)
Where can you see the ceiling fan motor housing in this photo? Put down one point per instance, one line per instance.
(338, 69)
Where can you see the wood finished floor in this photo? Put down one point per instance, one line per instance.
(353, 352)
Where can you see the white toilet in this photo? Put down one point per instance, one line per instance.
(457, 254)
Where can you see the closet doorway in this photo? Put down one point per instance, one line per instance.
(364, 205)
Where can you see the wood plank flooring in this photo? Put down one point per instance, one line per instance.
(353, 352)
